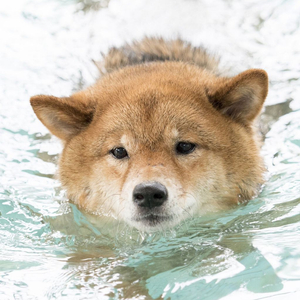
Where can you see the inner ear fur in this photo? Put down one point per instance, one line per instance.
(65, 117)
(241, 97)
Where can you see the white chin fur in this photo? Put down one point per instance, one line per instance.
(160, 222)
(158, 226)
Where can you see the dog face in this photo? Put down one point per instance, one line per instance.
(155, 144)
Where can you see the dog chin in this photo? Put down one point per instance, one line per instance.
(151, 222)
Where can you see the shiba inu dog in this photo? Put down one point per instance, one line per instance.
(160, 137)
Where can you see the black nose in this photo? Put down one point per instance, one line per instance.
(150, 194)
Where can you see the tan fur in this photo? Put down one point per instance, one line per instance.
(147, 106)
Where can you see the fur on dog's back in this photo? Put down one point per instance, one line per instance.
(157, 49)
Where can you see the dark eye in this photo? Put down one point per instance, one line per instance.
(185, 148)
(119, 152)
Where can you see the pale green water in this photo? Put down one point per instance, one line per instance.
(49, 250)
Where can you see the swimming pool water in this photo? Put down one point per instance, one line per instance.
(51, 250)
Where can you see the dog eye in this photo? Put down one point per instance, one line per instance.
(185, 148)
(119, 152)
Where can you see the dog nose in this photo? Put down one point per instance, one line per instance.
(150, 194)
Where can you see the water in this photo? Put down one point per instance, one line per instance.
(50, 250)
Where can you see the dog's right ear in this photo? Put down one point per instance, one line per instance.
(64, 117)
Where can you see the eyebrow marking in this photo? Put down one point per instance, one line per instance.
(124, 139)
(174, 133)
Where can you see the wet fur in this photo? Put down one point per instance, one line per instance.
(153, 94)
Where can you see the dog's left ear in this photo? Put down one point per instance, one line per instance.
(241, 97)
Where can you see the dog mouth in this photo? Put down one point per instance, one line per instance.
(152, 219)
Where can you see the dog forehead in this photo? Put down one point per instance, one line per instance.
(152, 111)
(145, 104)
(156, 121)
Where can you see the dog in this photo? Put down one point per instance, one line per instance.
(161, 137)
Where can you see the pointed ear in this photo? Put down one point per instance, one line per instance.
(64, 117)
(241, 97)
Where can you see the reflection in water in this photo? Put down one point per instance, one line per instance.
(86, 5)
(271, 114)
(250, 252)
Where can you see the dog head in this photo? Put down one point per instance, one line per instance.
(155, 144)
